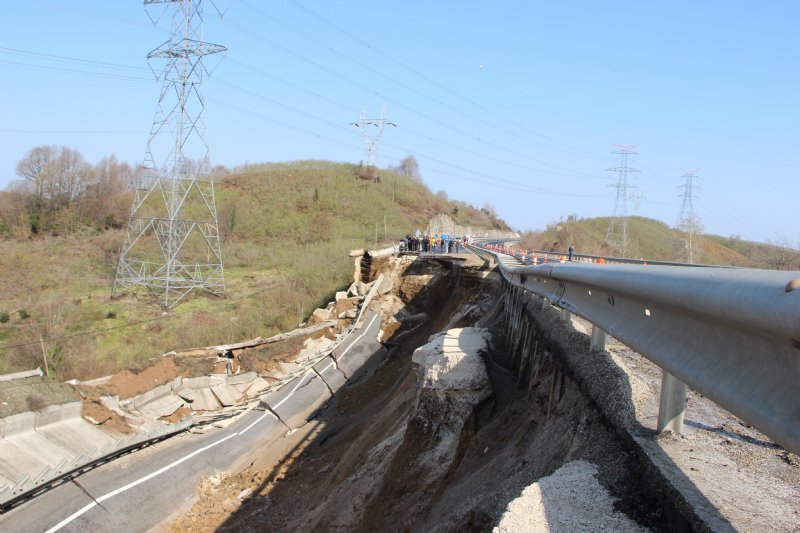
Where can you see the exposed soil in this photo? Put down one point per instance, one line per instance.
(127, 384)
(97, 413)
(564, 442)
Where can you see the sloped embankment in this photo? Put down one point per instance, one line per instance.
(451, 431)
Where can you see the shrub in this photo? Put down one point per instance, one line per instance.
(4, 317)
(23, 314)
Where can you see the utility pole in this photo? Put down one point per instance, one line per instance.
(687, 221)
(368, 166)
(617, 234)
(172, 245)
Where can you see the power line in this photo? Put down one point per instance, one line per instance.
(435, 83)
(386, 98)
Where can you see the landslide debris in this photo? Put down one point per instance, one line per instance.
(441, 437)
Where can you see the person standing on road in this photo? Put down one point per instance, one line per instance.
(571, 251)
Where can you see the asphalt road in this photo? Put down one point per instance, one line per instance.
(139, 491)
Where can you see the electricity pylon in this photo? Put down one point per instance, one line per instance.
(172, 245)
(371, 142)
(687, 220)
(617, 234)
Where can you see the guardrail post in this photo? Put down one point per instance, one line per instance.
(672, 405)
(598, 339)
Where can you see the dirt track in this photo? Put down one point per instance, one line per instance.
(365, 463)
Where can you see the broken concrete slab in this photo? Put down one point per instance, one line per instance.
(384, 284)
(259, 384)
(340, 295)
(200, 399)
(162, 406)
(202, 382)
(226, 394)
(238, 379)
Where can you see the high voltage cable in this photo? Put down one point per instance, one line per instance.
(393, 80)
(510, 184)
(437, 84)
(71, 59)
(369, 90)
(406, 129)
(407, 150)
(45, 68)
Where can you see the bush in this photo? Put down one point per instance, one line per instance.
(23, 314)
(4, 317)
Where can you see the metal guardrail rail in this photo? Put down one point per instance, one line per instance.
(732, 334)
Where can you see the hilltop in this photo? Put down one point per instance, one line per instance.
(286, 230)
(654, 240)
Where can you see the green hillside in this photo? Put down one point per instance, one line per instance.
(654, 240)
(287, 228)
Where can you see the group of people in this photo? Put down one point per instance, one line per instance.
(437, 244)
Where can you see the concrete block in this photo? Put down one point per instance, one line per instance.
(200, 399)
(296, 401)
(237, 379)
(329, 372)
(340, 295)
(259, 384)
(19, 423)
(162, 406)
(226, 394)
(202, 381)
(384, 284)
(49, 415)
(149, 396)
(17, 462)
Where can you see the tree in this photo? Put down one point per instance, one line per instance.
(32, 167)
(55, 172)
(409, 167)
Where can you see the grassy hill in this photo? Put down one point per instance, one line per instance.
(652, 239)
(287, 228)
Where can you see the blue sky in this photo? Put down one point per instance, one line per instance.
(518, 104)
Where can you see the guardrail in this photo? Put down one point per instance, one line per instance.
(732, 334)
(534, 257)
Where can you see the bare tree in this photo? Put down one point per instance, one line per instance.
(32, 167)
(409, 167)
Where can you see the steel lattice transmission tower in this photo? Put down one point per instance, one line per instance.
(687, 221)
(617, 234)
(371, 142)
(172, 244)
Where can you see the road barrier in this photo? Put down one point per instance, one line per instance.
(732, 334)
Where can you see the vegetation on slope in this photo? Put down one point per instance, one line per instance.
(654, 240)
(286, 231)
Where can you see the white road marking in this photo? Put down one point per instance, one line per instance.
(160, 471)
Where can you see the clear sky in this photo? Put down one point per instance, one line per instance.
(515, 103)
